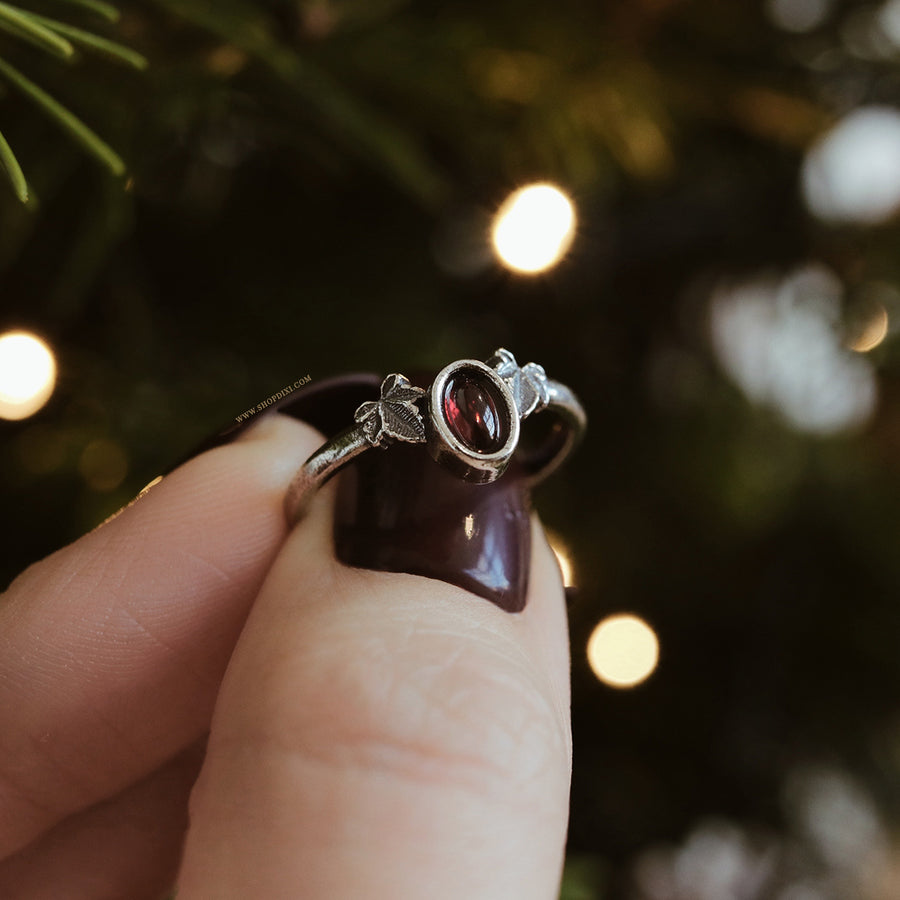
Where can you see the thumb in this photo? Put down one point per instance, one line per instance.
(384, 735)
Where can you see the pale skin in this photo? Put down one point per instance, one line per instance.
(361, 734)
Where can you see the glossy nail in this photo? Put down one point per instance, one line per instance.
(399, 511)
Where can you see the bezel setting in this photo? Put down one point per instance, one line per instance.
(448, 449)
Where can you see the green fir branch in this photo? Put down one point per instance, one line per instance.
(23, 24)
(93, 41)
(65, 119)
(59, 38)
(13, 170)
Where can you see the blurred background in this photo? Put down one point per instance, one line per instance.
(207, 202)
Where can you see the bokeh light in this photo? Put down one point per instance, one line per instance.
(563, 557)
(27, 374)
(623, 650)
(780, 342)
(838, 816)
(534, 228)
(853, 173)
(889, 21)
(798, 15)
(868, 329)
(103, 465)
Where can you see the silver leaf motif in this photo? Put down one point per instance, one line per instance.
(527, 384)
(395, 417)
(537, 377)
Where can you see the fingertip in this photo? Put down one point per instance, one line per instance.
(280, 428)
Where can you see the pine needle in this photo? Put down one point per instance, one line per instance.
(23, 25)
(13, 170)
(94, 42)
(106, 10)
(67, 120)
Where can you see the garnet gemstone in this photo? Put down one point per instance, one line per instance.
(472, 410)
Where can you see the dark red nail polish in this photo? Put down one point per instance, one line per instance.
(397, 510)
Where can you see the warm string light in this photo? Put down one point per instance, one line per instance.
(27, 374)
(534, 228)
(870, 330)
(563, 559)
(623, 650)
(103, 465)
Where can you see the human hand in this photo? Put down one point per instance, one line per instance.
(356, 733)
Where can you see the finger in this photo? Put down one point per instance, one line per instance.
(128, 846)
(112, 649)
(384, 735)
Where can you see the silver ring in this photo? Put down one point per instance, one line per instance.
(469, 418)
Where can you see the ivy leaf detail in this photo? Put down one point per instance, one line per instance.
(527, 384)
(537, 378)
(368, 415)
(395, 417)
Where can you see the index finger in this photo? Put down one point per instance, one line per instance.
(112, 649)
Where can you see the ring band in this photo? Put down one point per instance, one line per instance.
(469, 418)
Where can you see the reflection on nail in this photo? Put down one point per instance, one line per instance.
(401, 512)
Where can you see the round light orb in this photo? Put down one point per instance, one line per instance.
(534, 228)
(798, 15)
(27, 374)
(779, 341)
(869, 329)
(852, 174)
(623, 650)
(103, 465)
